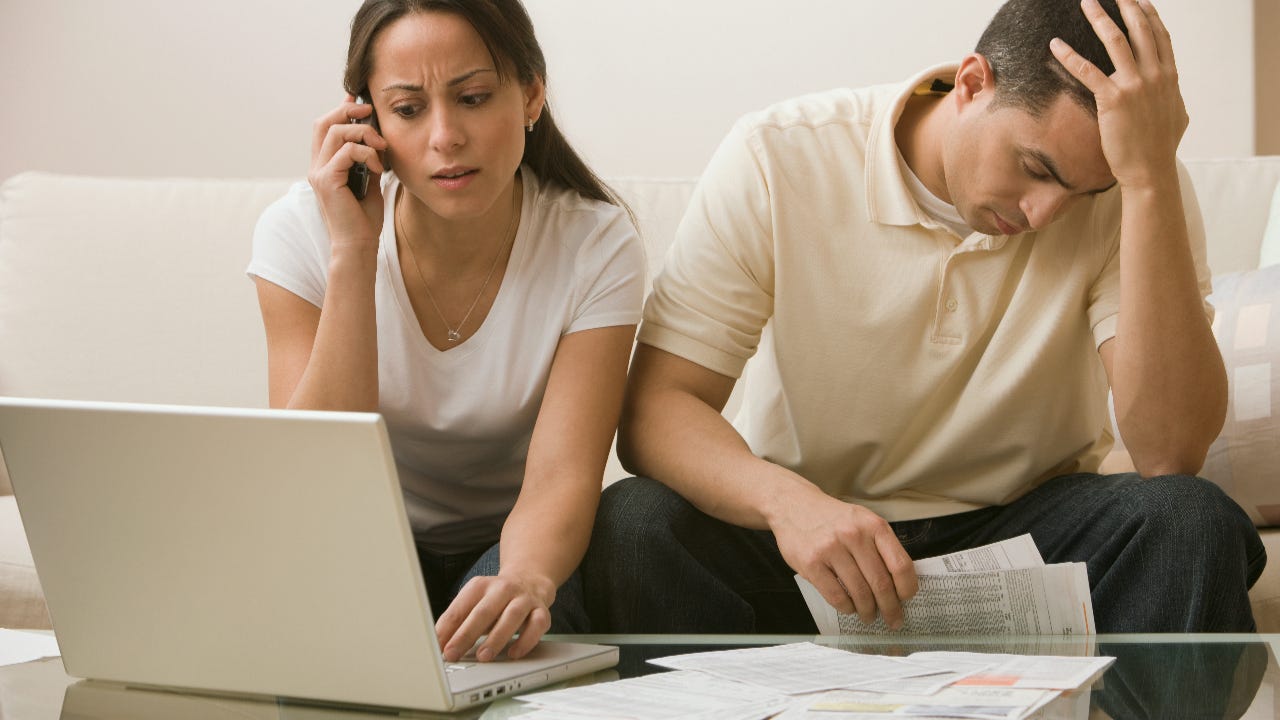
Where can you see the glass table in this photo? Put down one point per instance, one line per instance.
(1154, 676)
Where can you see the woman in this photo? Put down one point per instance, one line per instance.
(482, 296)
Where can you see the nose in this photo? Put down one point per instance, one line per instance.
(446, 130)
(1043, 204)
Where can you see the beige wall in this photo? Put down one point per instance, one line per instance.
(644, 87)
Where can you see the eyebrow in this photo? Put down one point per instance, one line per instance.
(413, 87)
(1052, 168)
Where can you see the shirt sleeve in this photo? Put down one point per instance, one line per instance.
(610, 271)
(291, 245)
(714, 295)
(1104, 300)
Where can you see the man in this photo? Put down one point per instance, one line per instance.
(938, 281)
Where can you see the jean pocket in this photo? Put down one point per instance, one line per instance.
(912, 531)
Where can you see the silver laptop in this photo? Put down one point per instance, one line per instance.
(250, 552)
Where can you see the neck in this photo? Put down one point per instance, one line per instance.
(463, 244)
(919, 132)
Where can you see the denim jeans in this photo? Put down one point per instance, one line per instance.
(1167, 554)
(445, 574)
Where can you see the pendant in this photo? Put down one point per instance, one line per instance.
(455, 335)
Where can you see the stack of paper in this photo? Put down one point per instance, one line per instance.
(808, 681)
(999, 589)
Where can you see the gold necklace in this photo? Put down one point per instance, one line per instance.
(455, 333)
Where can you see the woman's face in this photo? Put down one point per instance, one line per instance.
(455, 131)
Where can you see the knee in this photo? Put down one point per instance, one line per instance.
(1190, 508)
(635, 512)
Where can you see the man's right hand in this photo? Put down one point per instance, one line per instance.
(849, 553)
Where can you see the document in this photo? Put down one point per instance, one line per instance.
(1000, 589)
(681, 694)
(959, 702)
(798, 667)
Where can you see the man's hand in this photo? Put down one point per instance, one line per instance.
(849, 553)
(498, 607)
(1141, 114)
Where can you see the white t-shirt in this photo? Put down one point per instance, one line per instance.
(460, 420)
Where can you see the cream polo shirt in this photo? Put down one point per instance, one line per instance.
(893, 364)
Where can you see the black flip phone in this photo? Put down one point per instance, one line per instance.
(358, 175)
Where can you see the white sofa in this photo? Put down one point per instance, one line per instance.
(134, 290)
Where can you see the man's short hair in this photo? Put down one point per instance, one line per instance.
(1016, 45)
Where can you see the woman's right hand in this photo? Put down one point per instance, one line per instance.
(337, 144)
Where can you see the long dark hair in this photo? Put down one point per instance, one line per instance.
(507, 32)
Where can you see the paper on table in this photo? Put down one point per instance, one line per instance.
(795, 668)
(17, 646)
(1015, 597)
(1046, 672)
(979, 703)
(663, 695)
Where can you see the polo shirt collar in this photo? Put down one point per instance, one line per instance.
(888, 198)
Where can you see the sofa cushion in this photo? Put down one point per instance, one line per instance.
(1245, 457)
(1270, 254)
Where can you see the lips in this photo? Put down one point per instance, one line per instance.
(453, 173)
(454, 178)
(1005, 227)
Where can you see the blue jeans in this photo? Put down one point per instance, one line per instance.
(1169, 554)
(445, 574)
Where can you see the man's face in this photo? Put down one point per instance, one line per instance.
(1008, 171)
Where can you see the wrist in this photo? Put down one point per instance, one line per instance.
(788, 496)
(539, 585)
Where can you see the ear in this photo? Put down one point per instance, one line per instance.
(975, 82)
(535, 96)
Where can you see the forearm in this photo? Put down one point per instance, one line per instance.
(342, 371)
(1167, 375)
(546, 534)
(677, 438)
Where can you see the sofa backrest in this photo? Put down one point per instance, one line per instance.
(134, 290)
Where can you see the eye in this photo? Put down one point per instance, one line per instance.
(1036, 172)
(405, 111)
(474, 99)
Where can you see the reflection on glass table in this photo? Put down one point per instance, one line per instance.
(1154, 676)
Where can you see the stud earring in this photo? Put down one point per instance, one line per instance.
(528, 126)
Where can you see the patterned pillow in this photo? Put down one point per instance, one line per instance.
(1245, 459)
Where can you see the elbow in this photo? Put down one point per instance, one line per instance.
(1170, 461)
(626, 444)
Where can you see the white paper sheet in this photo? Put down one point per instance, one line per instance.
(1046, 672)
(796, 668)
(976, 703)
(681, 694)
(1013, 596)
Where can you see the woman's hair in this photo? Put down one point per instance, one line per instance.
(507, 32)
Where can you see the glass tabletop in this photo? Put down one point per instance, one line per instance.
(1154, 676)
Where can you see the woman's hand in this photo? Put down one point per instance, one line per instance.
(337, 144)
(498, 606)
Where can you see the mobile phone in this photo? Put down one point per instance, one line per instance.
(358, 175)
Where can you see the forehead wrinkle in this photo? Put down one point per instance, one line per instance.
(424, 49)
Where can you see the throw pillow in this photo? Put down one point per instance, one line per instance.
(1270, 254)
(1245, 459)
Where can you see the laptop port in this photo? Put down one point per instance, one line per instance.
(488, 694)
(502, 689)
